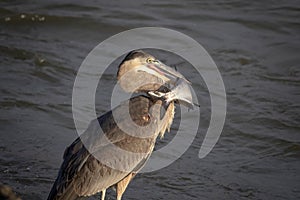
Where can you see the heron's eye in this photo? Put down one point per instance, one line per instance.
(150, 60)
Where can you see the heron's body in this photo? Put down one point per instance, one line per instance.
(82, 174)
(99, 160)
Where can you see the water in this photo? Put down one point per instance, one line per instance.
(256, 46)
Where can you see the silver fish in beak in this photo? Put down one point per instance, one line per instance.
(181, 93)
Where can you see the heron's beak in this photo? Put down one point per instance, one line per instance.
(179, 86)
(159, 69)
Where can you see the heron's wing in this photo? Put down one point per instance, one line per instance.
(62, 188)
(88, 174)
(141, 164)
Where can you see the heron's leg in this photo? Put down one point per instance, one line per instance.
(122, 185)
(103, 194)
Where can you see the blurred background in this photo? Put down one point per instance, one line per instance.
(255, 44)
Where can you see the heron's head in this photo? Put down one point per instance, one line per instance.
(142, 72)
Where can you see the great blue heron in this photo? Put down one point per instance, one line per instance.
(82, 173)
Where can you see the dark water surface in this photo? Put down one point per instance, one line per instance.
(256, 46)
